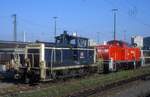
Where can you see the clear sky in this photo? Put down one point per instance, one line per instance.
(86, 17)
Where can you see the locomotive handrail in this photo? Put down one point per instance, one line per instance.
(51, 61)
(69, 48)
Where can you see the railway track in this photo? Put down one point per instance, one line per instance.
(89, 92)
(20, 87)
(82, 92)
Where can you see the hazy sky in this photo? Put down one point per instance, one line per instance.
(86, 17)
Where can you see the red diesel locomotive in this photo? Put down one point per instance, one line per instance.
(118, 55)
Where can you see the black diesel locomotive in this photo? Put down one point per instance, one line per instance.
(68, 56)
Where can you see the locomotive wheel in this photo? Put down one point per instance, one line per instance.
(138, 64)
(106, 68)
(81, 72)
(27, 80)
(130, 65)
(24, 77)
(54, 75)
(116, 67)
(73, 73)
(31, 78)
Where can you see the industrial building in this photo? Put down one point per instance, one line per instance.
(137, 41)
(146, 43)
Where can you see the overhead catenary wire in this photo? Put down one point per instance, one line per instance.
(41, 30)
(33, 23)
(125, 14)
(139, 20)
(134, 6)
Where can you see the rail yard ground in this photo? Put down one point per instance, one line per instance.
(138, 88)
(92, 86)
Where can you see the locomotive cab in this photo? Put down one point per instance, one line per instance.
(70, 40)
(77, 44)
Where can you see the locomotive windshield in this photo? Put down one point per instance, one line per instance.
(73, 42)
(82, 42)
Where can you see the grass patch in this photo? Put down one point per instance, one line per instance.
(61, 89)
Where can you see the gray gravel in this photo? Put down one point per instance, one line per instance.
(134, 89)
(5, 85)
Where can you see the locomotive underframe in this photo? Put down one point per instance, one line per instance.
(110, 65)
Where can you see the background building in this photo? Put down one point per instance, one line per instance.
(137, 40)
(92, 42)
(146, 43)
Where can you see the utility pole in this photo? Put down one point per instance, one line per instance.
(24, 36)
(115, 12)
(125, 35)
(55, 28)
(98, 34)
(55, 25)
(15, 26)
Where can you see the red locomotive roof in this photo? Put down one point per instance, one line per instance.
(118, 43)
